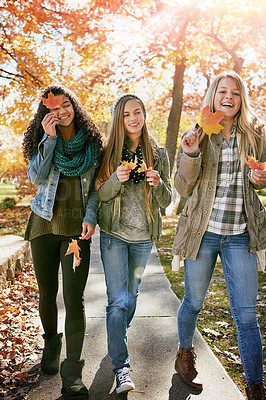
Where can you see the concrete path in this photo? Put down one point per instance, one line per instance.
(152, 342)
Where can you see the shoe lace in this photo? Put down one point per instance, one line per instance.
(123, 376)
(190, 358)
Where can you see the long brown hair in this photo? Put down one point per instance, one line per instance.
(115, 142)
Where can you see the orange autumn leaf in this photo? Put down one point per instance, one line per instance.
(128, 164)
(73, 247)
(209, 121)
(52, 101)
(254, 164)
(143, 167)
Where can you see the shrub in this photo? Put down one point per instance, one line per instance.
(8, 202)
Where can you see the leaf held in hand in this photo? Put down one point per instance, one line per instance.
(52, 101)
(254, 164)
(128, 164)
(209, 121)
(143, 167)
(73, 247)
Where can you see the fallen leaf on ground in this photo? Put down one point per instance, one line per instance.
(212, 333)
(19, 333)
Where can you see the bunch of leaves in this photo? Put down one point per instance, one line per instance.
(215, 321)
(19, 347)
(7, 203)
(14, 221)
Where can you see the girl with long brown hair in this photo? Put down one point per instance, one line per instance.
(133, 183)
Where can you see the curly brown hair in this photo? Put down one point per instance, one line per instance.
(82, 120)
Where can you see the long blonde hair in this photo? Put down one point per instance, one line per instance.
(247, 124)
(114, 146)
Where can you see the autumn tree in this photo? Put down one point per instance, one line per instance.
(170, 48)
(194, 41)
(46, 41)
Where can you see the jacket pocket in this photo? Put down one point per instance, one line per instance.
(259, 218)
(181, 232)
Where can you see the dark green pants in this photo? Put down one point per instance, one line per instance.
(48, 251)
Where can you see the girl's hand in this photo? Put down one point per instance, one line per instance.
(87, 231)
(49, 123)
(122, 173)
(258, 176)
(153, 178)
(190, 142)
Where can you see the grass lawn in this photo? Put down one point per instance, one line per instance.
(9, 190)
(13, 220)
(215, 322)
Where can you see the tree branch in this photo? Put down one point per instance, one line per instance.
(238, 61)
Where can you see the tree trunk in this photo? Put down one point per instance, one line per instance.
(175, 112)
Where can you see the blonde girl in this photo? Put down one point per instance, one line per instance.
(222, 216)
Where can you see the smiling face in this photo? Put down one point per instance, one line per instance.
(133, 120)
(65, 112)
(227, 98)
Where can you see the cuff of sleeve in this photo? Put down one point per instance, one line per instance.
(90, 221)
(193, 155)
(156, 188)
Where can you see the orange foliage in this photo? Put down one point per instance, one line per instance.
(143, 168)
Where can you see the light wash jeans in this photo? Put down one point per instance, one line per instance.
(241, 276)
(123, 264)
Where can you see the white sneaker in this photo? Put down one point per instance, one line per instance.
(123, 381)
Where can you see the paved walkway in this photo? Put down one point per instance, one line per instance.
(152, 345)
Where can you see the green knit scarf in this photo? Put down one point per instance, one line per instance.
(85, 154)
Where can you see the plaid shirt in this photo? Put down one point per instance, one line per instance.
(228, 216)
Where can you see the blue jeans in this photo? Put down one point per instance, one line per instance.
(241, 276)
(123, 264)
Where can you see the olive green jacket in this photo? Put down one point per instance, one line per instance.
(198, 185)
(161, 197)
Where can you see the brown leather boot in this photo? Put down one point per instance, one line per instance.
(185, 365)
(255, 392)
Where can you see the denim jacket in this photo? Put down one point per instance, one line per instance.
(42, 172)
(108, 220)
(198, 185)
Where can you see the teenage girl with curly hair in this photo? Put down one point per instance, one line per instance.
(62, 146)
